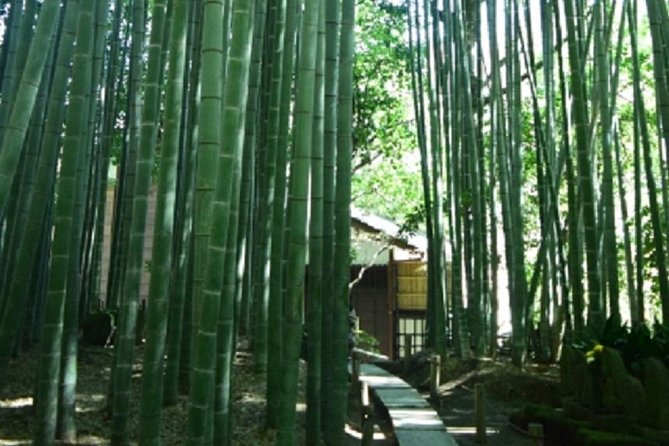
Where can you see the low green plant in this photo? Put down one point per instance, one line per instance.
(635, 343)
(366, 341)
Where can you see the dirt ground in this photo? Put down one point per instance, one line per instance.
(506, 390)
(16, 415)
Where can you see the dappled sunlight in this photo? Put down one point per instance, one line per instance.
(413, 418)
(15, 420)
(301, 407)
(470, 430)
(16, 403)
(92, 440)
(90, 402)
(252, 399)
(350, 431)
(15, 426)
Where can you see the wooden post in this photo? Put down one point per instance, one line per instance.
(356, 383)
(536, 431)
(367, 426)
(390, 306)
(435, 375)
(355, 365)
(364, 403)
(364, 395)
(479, 408)
(408, 341)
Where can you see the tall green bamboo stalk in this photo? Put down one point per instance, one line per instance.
(332, 25)
(584, 166)
(181, 301)
(48, 375)
(275, 319)
(298, 221)
(28, 249)
(127, 317)
(157, 310)
(315, 289)
(26, 95)
(68, 378)
(233, 107)
(342, 251)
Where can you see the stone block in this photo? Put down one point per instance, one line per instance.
(656, 385)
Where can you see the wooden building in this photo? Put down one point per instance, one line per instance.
(389, 274)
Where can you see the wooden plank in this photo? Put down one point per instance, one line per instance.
(401, 398)
(414, 422)
(377, 382)
(415, 419)
(373, 370)
(424, 438)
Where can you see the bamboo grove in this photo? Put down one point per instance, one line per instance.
(542, 127)
(543, 137)
(238, 114)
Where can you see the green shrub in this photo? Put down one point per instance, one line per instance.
(366, 341)
(635, 343)
(591, 437)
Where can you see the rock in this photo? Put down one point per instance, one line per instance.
(567, 384)
(558, 428)
(621, 392)
(98, 329)
(576, 376)
(575, 409)
(656, 386)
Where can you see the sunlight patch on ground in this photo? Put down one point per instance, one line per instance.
(92, 440)
(252, 398)
(90, 402)
(358, 435)
(16, 403)
(469, 430)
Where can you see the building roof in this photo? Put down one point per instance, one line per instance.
(389, 229)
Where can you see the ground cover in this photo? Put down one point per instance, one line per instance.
(507, 390)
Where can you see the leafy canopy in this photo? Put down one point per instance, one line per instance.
(385, 158)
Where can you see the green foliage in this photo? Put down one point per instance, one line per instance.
(385, 162)
(649, 250)
(381, 82)
(560, 429)
(413, 219)
(600, 438)
(389, 187)
(635, 343)
(366, 341)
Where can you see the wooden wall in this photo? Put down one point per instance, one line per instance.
(370, 301)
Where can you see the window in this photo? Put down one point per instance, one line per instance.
(409, 324)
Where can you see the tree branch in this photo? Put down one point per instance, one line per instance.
(366, 267)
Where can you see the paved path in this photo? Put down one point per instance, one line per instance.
(457, 411)
(413, 420)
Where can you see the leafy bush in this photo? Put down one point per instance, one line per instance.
(366, 341)
(634, 343)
